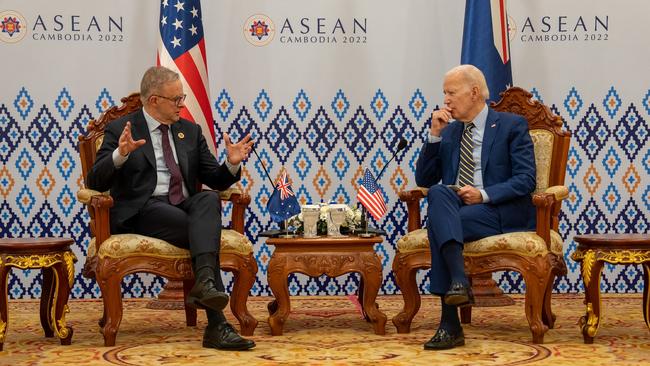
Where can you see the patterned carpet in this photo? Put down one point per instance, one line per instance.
(330, 330)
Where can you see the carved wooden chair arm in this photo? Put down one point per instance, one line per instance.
(240, 202)
(548, 205)
(560, 192)
(84, 195)
(99, 205)
(412, 198)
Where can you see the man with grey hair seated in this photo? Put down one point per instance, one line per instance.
(479, 166)
(154, 162)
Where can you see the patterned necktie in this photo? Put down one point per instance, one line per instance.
(176, 179)
(466, 166)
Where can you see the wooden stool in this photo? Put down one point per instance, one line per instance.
(592, 252)
(54, 257)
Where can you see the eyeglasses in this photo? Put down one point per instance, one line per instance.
(177, 100)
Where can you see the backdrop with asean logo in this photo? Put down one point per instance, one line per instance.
(327, 90)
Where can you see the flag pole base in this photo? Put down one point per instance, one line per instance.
(287, 236)
(366, 235)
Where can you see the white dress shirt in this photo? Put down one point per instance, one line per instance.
(477, 138)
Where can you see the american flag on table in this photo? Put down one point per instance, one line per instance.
(182, 49)
(370, 196)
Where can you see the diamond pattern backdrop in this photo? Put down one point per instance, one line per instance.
(325, 144)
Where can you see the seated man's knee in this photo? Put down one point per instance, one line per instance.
(211, 198)
(437, 192)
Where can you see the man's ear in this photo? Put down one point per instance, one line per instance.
(476, 92)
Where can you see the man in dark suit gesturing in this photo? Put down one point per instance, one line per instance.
(154, 162)
(485, 164)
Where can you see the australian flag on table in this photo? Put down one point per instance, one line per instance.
(486, 44)
(283, 203)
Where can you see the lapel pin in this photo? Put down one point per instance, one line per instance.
(493, 125)
(181, 135)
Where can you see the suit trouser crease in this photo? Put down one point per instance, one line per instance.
(449, 219)
(194, 224)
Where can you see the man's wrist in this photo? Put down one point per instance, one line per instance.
(232, 168)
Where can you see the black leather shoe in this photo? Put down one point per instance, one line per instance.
(224, 336)
(459, 294)
(204, 294)
(445, 340)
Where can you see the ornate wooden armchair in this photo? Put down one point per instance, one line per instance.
(537, 256)
(111, 257)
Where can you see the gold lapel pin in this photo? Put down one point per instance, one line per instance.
(181, 135)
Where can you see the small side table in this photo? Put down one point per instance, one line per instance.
(54, 257)
(592, 252)
(330, 256)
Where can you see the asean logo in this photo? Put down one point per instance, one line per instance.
(259, 30)
(13, 26)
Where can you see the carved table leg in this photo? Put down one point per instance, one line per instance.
(360, 296)
(277, 277)
(60, 304)
(4, 320)
(646, 293)
(372, 281)
(405, 273)
(47, 297)
(591, 269)
(244, 280)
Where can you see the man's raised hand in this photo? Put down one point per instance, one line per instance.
(238, 152)
(126, 142)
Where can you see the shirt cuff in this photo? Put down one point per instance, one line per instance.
(233, 169)
(118, 159)
(433, 139)
(486, 198)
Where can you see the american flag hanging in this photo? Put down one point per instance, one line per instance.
(370, 196)
(182, 49)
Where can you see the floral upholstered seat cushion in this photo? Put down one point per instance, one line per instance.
(523, 242)
(124, 245)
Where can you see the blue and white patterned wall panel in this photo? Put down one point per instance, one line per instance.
(324, 144)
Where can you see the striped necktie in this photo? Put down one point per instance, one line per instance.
(466, 166)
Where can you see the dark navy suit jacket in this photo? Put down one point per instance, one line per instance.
(507, 162)
(132, 185)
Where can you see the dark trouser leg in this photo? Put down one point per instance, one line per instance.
(194, 224)
(449, 318)
(451, 221)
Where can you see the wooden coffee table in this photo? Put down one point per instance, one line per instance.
(329, 256)
(592, 252)
(54, 257)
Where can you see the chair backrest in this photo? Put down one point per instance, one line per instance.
(551, 142)
(92, 141)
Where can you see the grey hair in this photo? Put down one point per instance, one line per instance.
(153, 79)
(474, 77)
